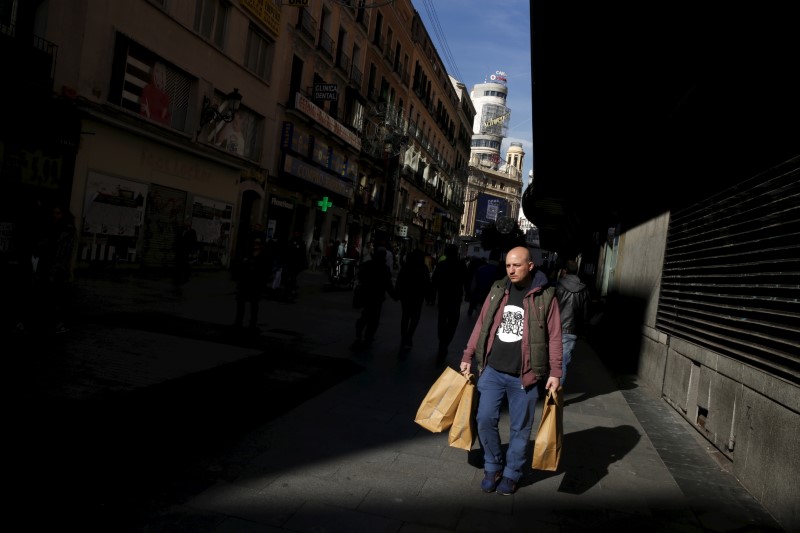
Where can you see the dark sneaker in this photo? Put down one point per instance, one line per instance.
(507, 487)
(490, 480)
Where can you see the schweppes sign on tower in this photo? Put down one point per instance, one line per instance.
(494, 113)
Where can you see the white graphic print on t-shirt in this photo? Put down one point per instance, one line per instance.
(510, 329)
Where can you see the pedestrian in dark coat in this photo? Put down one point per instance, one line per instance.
(485, 275)
(473, 264)
(53, 272)
(252, 274)
(376, 279)
(185, 248)
(295, 260)
(413, 284)
(448, 282)
(573, 302)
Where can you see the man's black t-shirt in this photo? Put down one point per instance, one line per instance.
(506, 353)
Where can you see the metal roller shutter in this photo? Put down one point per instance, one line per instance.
(731, 276)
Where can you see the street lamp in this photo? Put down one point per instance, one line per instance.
(211, 113)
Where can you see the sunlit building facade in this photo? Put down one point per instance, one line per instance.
(494, 183)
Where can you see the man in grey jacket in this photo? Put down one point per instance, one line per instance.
(573, 302)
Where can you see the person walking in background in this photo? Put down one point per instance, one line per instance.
(30, 237)
(245, 240)
(449, 287)
(516, 342)
(51, 267)
(573, 302)
(389, 257)
(473, 264)
(369, 249)
(315, 253)
(252, 274)
(295, 261)
(376, 279)
(185, 247)
(430, 262)
(485, 275)
(394, 249)
(56, 264)
(329, 257)
(413, 283)
(352, 252)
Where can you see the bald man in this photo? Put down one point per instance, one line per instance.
(515, 343)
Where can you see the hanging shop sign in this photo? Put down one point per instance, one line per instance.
(326, 91)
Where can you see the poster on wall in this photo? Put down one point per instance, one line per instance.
(211, 219)
(113, 206)
(112, 218)
(237, 136)
(490, 208)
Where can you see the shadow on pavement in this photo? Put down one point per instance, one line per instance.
(103, 452)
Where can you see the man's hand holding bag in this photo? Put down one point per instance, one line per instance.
(547, 447)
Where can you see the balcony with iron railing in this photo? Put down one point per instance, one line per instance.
(325, 44)
(307, 25)
(355, 76)
(343, 62)
(30, 58)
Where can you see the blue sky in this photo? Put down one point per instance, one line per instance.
(482, 37)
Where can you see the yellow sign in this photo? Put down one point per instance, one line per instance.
(497, 120)
(267, 12)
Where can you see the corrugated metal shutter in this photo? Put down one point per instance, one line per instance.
(731, 277)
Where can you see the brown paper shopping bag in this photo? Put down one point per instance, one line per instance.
(547, 447)
(463, 431)
(438, 408)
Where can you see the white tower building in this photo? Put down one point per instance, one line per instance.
(491, 120)
(494, 185)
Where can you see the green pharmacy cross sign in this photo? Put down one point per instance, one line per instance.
(324, 204)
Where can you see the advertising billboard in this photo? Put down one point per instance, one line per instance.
(494, 119)
(489, 208)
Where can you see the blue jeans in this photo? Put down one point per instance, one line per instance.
(568, 342)
(493, 387)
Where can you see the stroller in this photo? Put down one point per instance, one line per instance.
(343, 273)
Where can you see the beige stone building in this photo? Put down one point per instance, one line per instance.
(332, 121)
